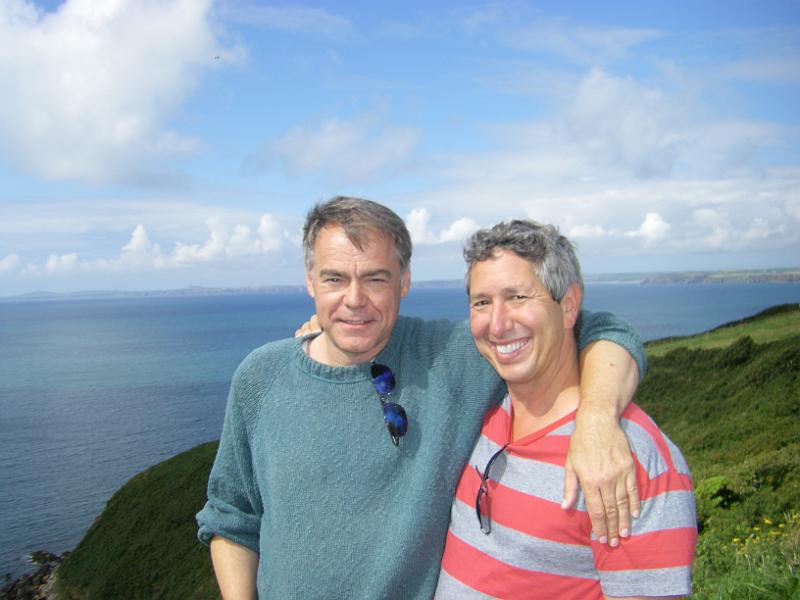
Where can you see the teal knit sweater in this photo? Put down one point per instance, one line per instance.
(307, 476)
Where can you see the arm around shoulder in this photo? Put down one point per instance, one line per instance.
(612, 361)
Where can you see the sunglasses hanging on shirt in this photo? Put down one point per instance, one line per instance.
(393, 414)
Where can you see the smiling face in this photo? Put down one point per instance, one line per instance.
(516, 324)
(357, 295)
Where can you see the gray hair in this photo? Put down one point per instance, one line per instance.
(359, 218)
(551, 255)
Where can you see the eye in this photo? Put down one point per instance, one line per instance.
(479, 303)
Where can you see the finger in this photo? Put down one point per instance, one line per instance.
(612, 516)
(570, 489)
(597, 514)
(623, 511)
(633, 496)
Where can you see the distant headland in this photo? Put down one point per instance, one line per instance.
(789, 275)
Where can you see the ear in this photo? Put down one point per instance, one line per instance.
(571, 305)
(405, 282)
(309, 284)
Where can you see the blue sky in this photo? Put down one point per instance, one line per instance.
(156, 144)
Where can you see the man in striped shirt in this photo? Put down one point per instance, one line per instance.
(508, 536)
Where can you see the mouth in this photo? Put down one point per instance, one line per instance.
(506, 350)
(354, 322)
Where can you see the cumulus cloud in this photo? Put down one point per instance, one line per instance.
(339, 149)
(418, 226)
(223, 245)
(653, 229)
(11, 262)
(61, 264)
(87, 89)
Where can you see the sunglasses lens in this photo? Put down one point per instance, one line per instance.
(395, 418)
(383, 379)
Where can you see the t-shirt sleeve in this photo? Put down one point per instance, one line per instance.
(595, 326)
(656, 560)
(233, 509)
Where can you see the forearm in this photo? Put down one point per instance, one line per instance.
(609, 378)
(235, 567)
(599, 456)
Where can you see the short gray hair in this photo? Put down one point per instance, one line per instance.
(551, 255)
(359, 218)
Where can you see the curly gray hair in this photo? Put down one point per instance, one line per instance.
(551, 255)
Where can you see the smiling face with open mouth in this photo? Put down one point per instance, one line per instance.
(357, 293)
(516, 324)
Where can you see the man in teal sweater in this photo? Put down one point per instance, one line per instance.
(310, 496)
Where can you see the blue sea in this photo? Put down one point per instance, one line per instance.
(94, 391)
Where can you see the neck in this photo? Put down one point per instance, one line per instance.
(322, 350)
(550, 397)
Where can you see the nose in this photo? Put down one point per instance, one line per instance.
(355, 297)
(500, 320)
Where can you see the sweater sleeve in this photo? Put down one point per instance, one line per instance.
(233, 509)
(595, 326)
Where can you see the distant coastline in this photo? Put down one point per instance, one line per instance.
(791, 275)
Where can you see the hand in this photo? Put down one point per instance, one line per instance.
(600, 458)
(310, 326)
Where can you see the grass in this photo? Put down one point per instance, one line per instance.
(732, 404)
(730, 398)
(143, 545)
(773, 324)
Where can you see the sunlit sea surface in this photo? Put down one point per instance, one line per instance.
(94, 391)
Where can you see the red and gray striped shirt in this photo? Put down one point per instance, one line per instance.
(538, 550)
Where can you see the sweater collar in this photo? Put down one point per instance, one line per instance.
(389, 356)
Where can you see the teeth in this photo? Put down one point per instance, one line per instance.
(509, 348)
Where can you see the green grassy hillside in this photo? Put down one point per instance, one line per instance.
(144, 546)
(729, 398)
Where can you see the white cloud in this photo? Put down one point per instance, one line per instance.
(88, 89)
(618, 123)
(418, 226)
(459, 230)
(342, 150)
(653, 229)
(61, 264)
(11, 262)
(223, 245)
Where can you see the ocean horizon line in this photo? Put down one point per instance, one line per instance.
(773, 275)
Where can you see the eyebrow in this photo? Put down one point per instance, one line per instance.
(526, 290)
(372, 273)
